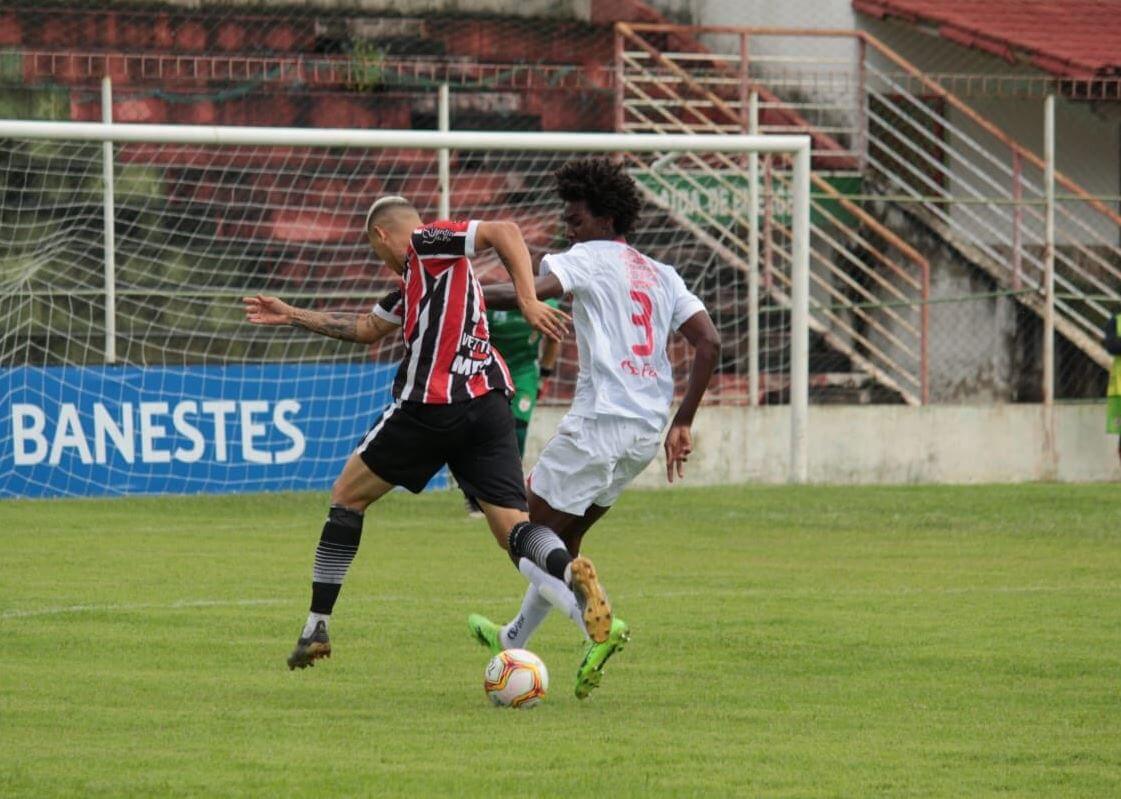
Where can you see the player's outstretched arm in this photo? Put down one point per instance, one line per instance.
(360, 328)
(701, 333)
(506, 240)
(502, 297)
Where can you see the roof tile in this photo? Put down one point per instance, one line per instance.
(1071, 38)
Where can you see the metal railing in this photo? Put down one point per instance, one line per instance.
(701, 92)
(985, 196)
(918, 147)
(297, 70)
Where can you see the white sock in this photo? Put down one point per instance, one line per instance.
(535, 608)
(312, 620)
(558, 594)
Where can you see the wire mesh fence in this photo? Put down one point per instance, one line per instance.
(962, 183)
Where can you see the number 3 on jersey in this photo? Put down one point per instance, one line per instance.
(645, 320)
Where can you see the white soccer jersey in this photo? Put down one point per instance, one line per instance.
(625, 306)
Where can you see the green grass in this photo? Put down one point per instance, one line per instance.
(835, 642)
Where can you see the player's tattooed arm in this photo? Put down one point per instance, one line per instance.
(360, 328)
(334, 324)
(363, 328)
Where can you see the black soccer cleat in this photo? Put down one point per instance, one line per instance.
(310, 649)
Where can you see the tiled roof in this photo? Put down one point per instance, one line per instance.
(1070, 38)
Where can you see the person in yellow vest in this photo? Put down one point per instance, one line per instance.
(1112, 333)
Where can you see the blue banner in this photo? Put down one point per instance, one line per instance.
(73, 431)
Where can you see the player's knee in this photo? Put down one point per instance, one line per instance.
(343, 496)
(339, 495)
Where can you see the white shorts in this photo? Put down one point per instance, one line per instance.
(591, 461)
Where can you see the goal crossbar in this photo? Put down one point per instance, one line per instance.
(230, 136)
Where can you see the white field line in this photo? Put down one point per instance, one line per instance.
(125, 608)
(812, 593)
(760, 593)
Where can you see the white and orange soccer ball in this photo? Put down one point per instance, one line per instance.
(516, 678)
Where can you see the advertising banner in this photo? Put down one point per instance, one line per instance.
(77, 431)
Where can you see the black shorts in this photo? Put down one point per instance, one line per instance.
(476, 439)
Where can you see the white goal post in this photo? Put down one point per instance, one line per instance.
(795, 148)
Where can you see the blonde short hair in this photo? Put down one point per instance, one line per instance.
(383, 204)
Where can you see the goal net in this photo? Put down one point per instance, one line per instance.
(126, 365)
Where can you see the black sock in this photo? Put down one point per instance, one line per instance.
(540, 545)
(338, 544)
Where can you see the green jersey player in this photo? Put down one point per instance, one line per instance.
(529, 361)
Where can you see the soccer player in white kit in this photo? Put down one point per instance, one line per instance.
(625, 306)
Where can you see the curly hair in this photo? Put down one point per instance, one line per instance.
(604, 187)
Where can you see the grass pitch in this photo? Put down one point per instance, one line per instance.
(787, 642)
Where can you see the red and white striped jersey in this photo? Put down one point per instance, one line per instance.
(448, 356)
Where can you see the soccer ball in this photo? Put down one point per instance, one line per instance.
(516, 678)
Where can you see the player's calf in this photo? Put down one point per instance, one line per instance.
(541, 546)
(544, 548)
(338, 544)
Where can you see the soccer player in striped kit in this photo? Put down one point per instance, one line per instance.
(451, 405)
(624, 306)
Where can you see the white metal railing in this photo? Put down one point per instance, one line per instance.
(990, 204)
(923, 149)
(678, 92)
